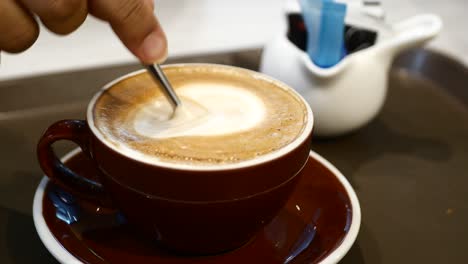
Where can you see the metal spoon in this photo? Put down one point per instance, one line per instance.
(159, 76)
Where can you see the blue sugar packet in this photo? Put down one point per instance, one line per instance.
(325, 25)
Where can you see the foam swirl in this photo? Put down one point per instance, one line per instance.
(207, 110)
(228, 116)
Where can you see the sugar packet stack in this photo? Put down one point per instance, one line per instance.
(325, 23)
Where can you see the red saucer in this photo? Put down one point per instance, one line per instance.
(318, 225)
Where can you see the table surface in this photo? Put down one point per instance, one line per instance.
(409, 166)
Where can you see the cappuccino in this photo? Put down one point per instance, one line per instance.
(228, 115)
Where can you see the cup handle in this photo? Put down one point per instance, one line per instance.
(78, 132)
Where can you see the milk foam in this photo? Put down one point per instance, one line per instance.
(208, 109)
(228, 117)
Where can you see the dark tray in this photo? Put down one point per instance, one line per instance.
(409, 166)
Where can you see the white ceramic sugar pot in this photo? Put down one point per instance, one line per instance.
(349, 94)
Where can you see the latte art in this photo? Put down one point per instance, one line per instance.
(227, 116)
(208, 109)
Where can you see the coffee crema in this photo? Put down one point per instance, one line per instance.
(228, 115)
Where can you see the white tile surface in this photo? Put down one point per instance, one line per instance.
(207, 26)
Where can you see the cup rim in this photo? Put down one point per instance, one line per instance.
(307, 130)
(210, 202)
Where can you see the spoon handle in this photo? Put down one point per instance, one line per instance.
(159, 76)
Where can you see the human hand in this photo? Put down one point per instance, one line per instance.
(132, 20)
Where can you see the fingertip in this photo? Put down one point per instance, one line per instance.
(22, 39)
(135, 24)
(65, 27)
(153, 48)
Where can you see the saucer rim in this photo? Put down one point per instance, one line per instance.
(64, 256)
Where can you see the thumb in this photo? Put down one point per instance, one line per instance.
(136, 25)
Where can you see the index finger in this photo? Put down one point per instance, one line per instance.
(136, 25)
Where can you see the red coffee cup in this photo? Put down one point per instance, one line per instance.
(188, 209)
